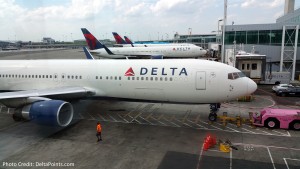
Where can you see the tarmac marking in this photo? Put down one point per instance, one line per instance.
(271, 158)
(248, 130)
(101, 117)
(123, 118)
(139, 114)
(187, 113)
(161, 116)
(112, 117)
(264, 132)
(230, 166)
(171, 122)
(287, 166)
(197, 124)
(200, 155)
(259, 145)
(197, 118)
(146, 120)
(281, 133)
(91, 116)
(150, 115)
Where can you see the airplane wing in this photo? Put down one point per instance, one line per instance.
(62, 92)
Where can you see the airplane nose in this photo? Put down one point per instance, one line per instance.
(252, 86)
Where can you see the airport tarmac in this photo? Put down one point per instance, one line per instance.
(147, 135)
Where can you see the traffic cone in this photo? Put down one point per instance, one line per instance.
(214, 140)
(205, 146)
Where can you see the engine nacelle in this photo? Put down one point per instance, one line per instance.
(49, 112)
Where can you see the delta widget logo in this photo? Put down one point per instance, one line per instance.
(129, 72)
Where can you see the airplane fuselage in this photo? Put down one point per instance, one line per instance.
(182, 81)
(165, 51)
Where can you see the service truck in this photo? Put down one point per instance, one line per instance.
(277, 118)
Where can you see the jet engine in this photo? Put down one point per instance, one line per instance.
(49, 112)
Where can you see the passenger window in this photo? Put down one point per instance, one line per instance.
(132, 78)
(146, 78)
(76, 77)
(106, 77)
(128, 78)
(80, 77)
(61, 76)
(161, 79)
(120, 78)
(142, 78)
(166, 79)
(116, 78)
(100, 77)
(248, 66)
(156, 78)
(111, 77)
(50, 76)
(243, 66)
(151, 78)
(137, 78)
(96, 77)
(171, 79)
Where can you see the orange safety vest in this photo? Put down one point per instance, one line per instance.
(99, 129)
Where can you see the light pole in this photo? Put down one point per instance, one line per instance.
(223, 31)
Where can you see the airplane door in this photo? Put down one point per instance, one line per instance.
(200, 80)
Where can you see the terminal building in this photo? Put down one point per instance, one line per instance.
(278, 41)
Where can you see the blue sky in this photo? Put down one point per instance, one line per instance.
(30, 20)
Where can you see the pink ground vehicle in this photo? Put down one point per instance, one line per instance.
(278, 118)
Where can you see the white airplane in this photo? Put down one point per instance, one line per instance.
(39, 88)
(99, 49)
(128, 43)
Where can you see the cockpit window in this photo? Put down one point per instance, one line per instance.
(235, 75)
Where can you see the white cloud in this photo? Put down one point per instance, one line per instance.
(163, 5)
(261, 3)
(137, 9)
(248, 3)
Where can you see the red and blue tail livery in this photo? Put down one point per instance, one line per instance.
(128, 41)
(92, 42)
(118, 38)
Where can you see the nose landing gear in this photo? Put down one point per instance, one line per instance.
(214, 108)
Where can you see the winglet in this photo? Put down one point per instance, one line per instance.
(92, 42)
(128, 41)
(118, 38)
(88, 54)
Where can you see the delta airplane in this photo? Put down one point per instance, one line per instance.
(39, 90)
(128, 43)
(96, 47)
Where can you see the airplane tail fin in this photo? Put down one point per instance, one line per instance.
(118, 38)
(88, 54)
(128, 40)
(92, 42)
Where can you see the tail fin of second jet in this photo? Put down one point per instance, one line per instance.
(92, 42)
(118, 38)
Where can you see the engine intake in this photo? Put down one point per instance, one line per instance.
(50, 112)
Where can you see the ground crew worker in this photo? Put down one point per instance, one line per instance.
(99, 130)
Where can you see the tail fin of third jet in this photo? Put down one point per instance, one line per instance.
(92, 42)
(128, 41)
(118, 38)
